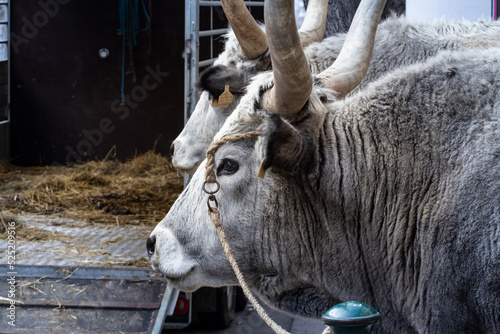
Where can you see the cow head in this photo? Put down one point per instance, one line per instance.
(263, 218)
(245, 55)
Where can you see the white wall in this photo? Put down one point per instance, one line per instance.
(429, 10)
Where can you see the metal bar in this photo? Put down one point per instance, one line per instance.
(213, 32)
(167, 308)
(5, 124)
(212, 28)
(193, 29)
(207, 62)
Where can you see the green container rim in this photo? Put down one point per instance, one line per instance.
(351, 321)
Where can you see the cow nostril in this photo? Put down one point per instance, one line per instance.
(172, 150)
(150, 245)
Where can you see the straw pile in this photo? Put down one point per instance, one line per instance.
(139, 191)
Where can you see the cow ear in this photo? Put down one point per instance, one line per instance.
(215, 78)
(284, 148)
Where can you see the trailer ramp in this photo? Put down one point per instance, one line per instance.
(85, 300)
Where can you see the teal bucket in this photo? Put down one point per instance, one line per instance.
(350, 318)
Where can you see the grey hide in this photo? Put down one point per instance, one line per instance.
(398, 43)
(389, 197)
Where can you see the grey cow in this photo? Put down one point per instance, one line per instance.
(398, 43)
(389, 196)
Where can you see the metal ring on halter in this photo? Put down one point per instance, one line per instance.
(211, 192)
(213, 199)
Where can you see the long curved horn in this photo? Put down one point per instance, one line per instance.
(292, 76)
(313, 27)
(352, 63)
(251, 37)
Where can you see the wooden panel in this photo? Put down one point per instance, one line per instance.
(66, 99)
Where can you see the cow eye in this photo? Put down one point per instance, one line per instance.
(227, 167)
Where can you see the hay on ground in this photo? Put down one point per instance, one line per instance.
(139, 191)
